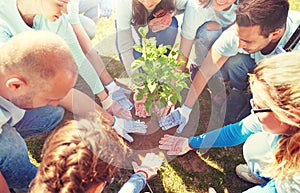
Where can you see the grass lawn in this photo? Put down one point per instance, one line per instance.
(191, 173)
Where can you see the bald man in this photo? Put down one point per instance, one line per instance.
(37, 73)
(31, 76)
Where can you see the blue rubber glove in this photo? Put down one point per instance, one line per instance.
(73, 12)
(178, 117)
(123, 127)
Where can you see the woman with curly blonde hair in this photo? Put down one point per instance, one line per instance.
(271, 133)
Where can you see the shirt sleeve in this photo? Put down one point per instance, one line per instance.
(135, 184)
(86, 70)
(180, 5)
(230, 135)
(190, 25)
(227, 43)
(125, 40)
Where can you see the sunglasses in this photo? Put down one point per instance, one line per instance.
(256, 110)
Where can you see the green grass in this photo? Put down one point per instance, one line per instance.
(191, 173)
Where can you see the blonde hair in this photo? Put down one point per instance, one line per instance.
(78, 156)
(280, 75)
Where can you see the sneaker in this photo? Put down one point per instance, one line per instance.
(244, 173)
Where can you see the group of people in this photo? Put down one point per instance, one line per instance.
(45, 45)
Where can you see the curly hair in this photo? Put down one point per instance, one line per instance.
(269, 15)
(280, 75)
(77, 156)
(140, 13)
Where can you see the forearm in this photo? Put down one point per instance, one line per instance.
(125, 48)
(185, 47)
(91, 53)
(211, 64)
(230, 135)
(82, 37)
(3, 185)
(80, 104)
(135, 184)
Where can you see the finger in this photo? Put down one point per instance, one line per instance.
(173, 152)
(165, 147)
(126, 91)
(135, 166)
(127, 137)
(180, 128)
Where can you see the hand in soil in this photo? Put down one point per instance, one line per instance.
(123, 127)
(174, 145)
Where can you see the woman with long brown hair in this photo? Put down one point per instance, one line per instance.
(157, 14)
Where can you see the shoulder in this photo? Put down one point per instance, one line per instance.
(227, 43)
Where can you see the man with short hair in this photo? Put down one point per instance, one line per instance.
(31, 77)
(260, 27)
(37, 73)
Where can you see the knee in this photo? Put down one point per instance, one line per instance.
(212, 26)
(208, 33)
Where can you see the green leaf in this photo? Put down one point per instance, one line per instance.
(152, 86)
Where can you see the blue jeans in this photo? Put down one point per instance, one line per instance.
(15, 165)
(236, 70)
(164, 37)
(204, 40)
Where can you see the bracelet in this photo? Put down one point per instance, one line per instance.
(142, 171)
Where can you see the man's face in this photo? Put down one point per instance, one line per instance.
(38, 97)
(53, 9)
(250, 38)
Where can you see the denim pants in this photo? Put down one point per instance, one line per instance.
(204, 40)
(164, 37)
(15, 165)
(236, 70)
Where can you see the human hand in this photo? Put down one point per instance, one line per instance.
(160, 22)
(162, 112)
(140, 109)
(174, 145)
(123, 127)
(178, 117)
(73, 11)
(105, 8)
(119, 96)
(149, 166)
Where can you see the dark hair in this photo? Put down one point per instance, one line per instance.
(140, 13)
(269, 15)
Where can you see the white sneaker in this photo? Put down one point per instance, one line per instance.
(244, 173)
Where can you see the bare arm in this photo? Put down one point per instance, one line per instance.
(211, 64)
(81, 104)
(186, 47)
(3, 185)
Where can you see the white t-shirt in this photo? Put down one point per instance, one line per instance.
(196, 15)
(9, 113)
